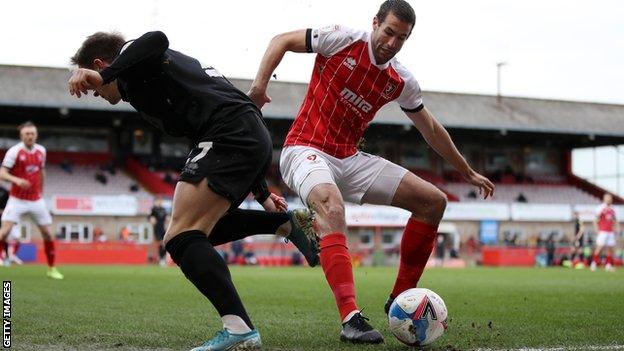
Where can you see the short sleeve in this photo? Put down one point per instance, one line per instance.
(10, 157)
(328, 40)
(410, 99)
(44, 155)
(598, 210)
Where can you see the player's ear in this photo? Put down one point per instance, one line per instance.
(375, 23)
(98, 64)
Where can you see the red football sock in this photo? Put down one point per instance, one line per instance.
(50, 252)
(2, 244)
(416, 246)
(336, 264)
(609, 260)
(16, 247)
(597, 260)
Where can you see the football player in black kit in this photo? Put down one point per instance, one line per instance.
(232, 152)
(578, 256)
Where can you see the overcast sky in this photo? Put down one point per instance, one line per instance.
(572, 50)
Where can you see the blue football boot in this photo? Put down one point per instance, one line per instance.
(226, 341)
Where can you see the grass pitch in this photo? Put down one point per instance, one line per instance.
(150, 308)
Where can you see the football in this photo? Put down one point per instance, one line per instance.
(417, 317)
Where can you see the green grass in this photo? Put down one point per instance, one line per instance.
(138, 308)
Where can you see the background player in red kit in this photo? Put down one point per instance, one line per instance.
(606, 226)
(354, 75)
(23, 166)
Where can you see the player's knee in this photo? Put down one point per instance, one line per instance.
(433, 208)
(439, 202)
(331, 217)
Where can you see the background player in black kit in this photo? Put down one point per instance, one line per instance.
(578, 257)
(158, 218)
(231, 155)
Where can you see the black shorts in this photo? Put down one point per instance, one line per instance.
(234, 157)
(579, 243)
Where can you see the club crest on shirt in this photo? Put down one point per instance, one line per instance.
(389, 90)
(350, 63)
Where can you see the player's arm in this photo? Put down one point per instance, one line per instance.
(269, 201)
(596, 219)
(139, 53)
(280, 44)
(439, 139)
(6, 176)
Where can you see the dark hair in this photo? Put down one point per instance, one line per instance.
(100, 45)
(25, 124)
(400, 8)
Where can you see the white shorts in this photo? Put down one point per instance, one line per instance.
(15, 208)
(361, 178)
(605, 239)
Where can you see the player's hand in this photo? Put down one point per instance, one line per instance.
(83, 80)
(275, 203)
(22, 183)
(486, 187)
(259, 97)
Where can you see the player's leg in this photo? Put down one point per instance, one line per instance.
(609, 246)
(10, 216)
(295, 226)
(308, 173)
(326, 201)
(5, 229)
(398, 187)
(427, 204)
(14, 245)
(42, 217)
(220, 178)
(601, 239)
(187, 242)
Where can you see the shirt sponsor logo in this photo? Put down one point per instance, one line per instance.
(32, 169)
(356, 100)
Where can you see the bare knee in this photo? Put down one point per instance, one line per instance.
(431, 209)
(330, 213)
(439, 203)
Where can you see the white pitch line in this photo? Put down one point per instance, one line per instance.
(579, 348)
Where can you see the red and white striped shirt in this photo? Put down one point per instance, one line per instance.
(606, 218)
(346, 91)
(26, 164)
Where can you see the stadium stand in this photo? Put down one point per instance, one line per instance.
(82, 181)
(543, 194)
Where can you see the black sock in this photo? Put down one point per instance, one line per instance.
(204, 267)
(238, 224)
